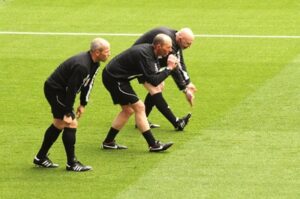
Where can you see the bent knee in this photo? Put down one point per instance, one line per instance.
(128, 111)
(74, 124)
(139, 106)
(60, 124)
(154, 89)
(161, 86)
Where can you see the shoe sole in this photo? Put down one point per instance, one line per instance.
(113, 148)
(154, 126)
(166, 146)
(80, 170)
(42, 166)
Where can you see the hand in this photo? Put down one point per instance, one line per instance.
(172, 61)
(191, 87)
(190, 97)
(68, 119)
(79, 111)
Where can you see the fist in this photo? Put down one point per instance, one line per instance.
(172, 61)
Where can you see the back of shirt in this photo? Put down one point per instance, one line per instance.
(149, 36)
(72, 76)
(135, 62)
(180, 75)
(64, 74)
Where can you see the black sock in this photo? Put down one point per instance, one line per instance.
(163, 107)
(50, 137)
(112, 133)
(149, 138)
(69, 140)
(148, 104)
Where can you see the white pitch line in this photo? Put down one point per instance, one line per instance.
(68, 33)
(139, 34)
(252, 36)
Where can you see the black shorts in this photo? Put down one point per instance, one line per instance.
(121, 91)
(56, 99)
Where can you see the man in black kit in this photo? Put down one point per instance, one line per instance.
(74, 75)
(137, 61)
(181, 40)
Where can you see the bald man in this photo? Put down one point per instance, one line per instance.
(181, 40)
(137, 61)
(74, 75)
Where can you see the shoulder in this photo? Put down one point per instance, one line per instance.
(144, 49)
(83, 60)
(77, 59)
(83, 57)
(168, 31)
(141, 46)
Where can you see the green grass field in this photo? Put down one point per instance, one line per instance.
(243, 140)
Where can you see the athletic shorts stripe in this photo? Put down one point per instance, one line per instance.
(56, 101)
(121, 91)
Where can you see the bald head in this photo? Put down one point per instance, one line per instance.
(162, 45)
(99, 44)
(162, 39)
(186, 33)
(185, 37)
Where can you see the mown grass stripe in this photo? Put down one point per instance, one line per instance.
(231, 160)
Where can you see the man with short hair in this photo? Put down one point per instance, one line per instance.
(137, 61)
(74, 75)
(181, 40)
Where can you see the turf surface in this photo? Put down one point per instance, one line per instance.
(243, 139)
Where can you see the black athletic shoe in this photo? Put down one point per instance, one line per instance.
(44, 162)
(182, 122)
(152, 126)
(113, 145)
(77, 166)
(160, 146)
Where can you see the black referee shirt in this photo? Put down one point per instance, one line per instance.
(137, 61)
(75, 75)
(180, 75)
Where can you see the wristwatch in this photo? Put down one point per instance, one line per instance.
(168, 68)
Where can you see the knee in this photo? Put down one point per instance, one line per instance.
(74, 124)
(128, 111)
(161, 87)
(60, 124)
(139, 106)
(157, 89)
(154, 89)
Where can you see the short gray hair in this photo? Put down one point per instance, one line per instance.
(99, 44)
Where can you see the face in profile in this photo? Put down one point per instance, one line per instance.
(165, 49)
(185, 42)
(103, 54)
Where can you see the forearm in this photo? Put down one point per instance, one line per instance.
(158, 78)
